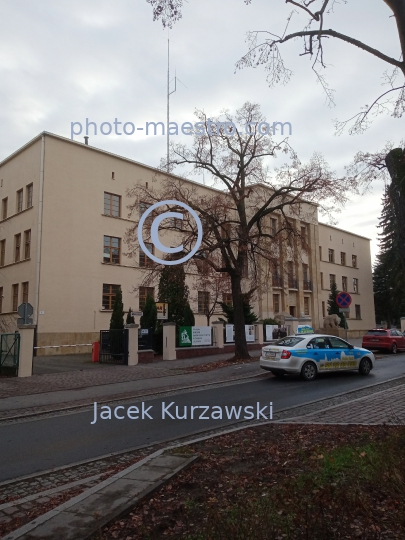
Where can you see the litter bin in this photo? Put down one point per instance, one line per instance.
(95, 355)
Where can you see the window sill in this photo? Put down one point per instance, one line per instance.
(14, 263)
(16, 214)
(119, 217)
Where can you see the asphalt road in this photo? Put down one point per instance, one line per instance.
(37, 445)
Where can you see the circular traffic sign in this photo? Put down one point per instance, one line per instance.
(343, 300)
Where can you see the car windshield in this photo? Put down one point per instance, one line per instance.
(289, 341)
(376, 333)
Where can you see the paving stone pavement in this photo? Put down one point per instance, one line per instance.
(84, 514)
(383, 407)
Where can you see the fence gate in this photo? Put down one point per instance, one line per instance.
(9, 353)
(145, 338)
(114, 346)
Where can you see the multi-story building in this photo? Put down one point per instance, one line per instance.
(345, 260)
(63, 221)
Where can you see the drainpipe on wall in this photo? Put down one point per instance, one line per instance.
(39, 230)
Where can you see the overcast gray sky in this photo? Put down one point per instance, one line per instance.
(67, 60)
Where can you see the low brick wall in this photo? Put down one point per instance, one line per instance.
(146, 357)
(341, 332)
(65, 338)
(196, 352)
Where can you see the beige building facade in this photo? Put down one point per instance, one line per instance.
(62, 226)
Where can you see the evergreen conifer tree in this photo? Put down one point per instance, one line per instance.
(149, 314)
(250, 317)
(117, 316)
(174, 291)
(130, 318)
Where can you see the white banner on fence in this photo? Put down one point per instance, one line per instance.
(230, 333)
(201, 335)
(250, 332)
(269, 331)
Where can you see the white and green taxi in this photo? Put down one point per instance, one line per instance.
(311, 354)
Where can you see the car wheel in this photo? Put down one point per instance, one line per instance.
(365, 366)
(394, 348)
(278, 374)
(308, 371)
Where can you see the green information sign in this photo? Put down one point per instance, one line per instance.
(185, 336)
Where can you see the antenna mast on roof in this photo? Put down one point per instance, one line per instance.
(168, 97)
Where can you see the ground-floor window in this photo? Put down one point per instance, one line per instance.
(143, 293)
(203, 301)
(109, 292)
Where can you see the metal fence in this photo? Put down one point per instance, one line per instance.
(145, 339)
(9, 353)
(114, 346)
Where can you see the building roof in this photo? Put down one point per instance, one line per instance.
(343, 230)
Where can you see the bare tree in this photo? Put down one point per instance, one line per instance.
(238, 238)
(212, 284)
(264, 48)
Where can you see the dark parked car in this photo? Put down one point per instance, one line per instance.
(383, 339)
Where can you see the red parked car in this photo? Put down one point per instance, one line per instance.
(380, 338)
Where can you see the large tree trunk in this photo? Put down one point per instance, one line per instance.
(241, 350)
(398, 8)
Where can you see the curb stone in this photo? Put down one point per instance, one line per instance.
(83, 515)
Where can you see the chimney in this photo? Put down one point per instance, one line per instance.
(86, 140)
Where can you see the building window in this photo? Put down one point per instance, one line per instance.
(143, 206)
(304, 235)
(320, 253)
(112, 250)
(292, 311)
(342, 258)
(112, 205)
(227, 298)
(4, 205)
(344, 284)
(144, 260)
(355, 285)
(306, 305)
(323, 310)
(1, 299)
(109, 292)
(354, 261)
(331, 255)
(17, 247)
(245, 268)
(358, 311)
(321, 280)
(332, 280)
(2, 253)
(29, 191)
(276, 303)
(19, 200)
(143, 293)
(273, 224)
(292, 282)
(25, 292)
(14, 297)
(27, 244)
(203, 302)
